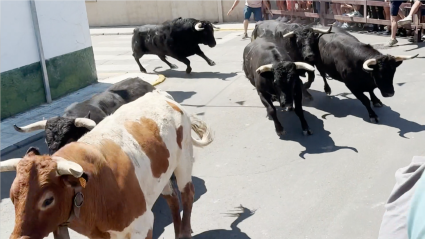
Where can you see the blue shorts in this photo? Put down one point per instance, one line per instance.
(258, 15)
(394, 7)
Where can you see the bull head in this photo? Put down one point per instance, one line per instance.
(79, 122)
(316, 30)
(373, 61)
(64, 167)
(299, 66)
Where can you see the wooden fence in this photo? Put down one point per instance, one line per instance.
(326, 17)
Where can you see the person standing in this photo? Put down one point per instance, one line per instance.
(394, 7)
(251, 7)
(408, 20)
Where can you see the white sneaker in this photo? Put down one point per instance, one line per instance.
(404, 21)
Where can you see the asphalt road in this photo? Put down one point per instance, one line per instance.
(251, 184)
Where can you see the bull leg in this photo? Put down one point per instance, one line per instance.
(187, 63)
(363, 98)
(299, 109)
(200, 53)
(137, 57)
(164, 59)
(307, 85)
(271, 112)
(170, 194)
(327, 88)
(375, 101)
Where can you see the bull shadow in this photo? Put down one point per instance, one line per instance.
(180, 96)
(341, 108)
(181, 73)
(318, 143)
(162, 212)
(235, 232)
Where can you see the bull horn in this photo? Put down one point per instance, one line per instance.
(289, 34)
(318, 30)
(264, 68)
(84, 122)
(9, 165)
(66, 167)
(215, 26)
(31, 127)
(368, 63)
(198, 26)
(304, 66)
(402, 58)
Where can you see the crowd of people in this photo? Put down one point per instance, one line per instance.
(261, 11)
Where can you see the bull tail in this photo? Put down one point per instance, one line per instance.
(202, 130)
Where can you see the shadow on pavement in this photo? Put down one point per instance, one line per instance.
(318, 143)
(181, 73)
(162, 212)
(351, 106)
(181, 96)
(235, 233)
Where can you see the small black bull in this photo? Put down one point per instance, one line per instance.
(300, 42)
(80, 118)
(178, 38)
(361, 67)
(276, 78)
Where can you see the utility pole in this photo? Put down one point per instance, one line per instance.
(41, 51)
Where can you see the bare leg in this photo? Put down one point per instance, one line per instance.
(271, 112)
(164, 59)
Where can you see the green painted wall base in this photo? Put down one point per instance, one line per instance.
(22, 88)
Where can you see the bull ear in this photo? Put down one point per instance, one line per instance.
(32, 151)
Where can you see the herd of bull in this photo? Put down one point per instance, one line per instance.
(112, 156)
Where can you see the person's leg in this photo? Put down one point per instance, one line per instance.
(247, 15)
(387, 15)
(413, 10)
(394, 7)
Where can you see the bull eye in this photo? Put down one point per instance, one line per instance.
(47, 202)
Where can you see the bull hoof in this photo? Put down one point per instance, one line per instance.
(211, 63)
(280, 133)
(374, 119)
(328, 90)
(377, 104)
(307, 132)
(188, 70)
(288, 108)
(172, 66)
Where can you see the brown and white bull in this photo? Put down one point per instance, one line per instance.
(105, 184)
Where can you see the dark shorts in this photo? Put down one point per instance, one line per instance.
(258, 15)
(394, 7)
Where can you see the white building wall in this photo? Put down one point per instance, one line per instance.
(18, 44)
(64, 26)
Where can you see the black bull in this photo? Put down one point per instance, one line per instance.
(361, 67)
(178, 38)
(300, 42)
(276, 78)
(79, 118)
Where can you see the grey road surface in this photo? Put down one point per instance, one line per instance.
(251, 184)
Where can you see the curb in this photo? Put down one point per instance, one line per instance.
(22, 143)
(161, 78)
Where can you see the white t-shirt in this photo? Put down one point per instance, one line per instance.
(253, 3)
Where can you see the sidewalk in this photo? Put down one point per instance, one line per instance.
(11, 139)
(128, 30)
